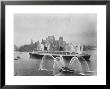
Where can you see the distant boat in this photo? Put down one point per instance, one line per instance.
(17, 58)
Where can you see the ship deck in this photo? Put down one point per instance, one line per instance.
(58, 53)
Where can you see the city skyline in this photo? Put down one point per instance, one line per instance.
(80, 28)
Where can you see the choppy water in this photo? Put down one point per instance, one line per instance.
(25, 66)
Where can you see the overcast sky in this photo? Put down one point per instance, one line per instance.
(81, 28)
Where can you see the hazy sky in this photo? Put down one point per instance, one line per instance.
(81, 28)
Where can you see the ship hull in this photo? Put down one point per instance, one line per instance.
(66, 57)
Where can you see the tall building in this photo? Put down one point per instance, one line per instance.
(61, 44)
(50, 43)
(50, 39)
(32, 42)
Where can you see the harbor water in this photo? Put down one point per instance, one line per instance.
(26, 66)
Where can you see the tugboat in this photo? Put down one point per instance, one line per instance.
(17, 58)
